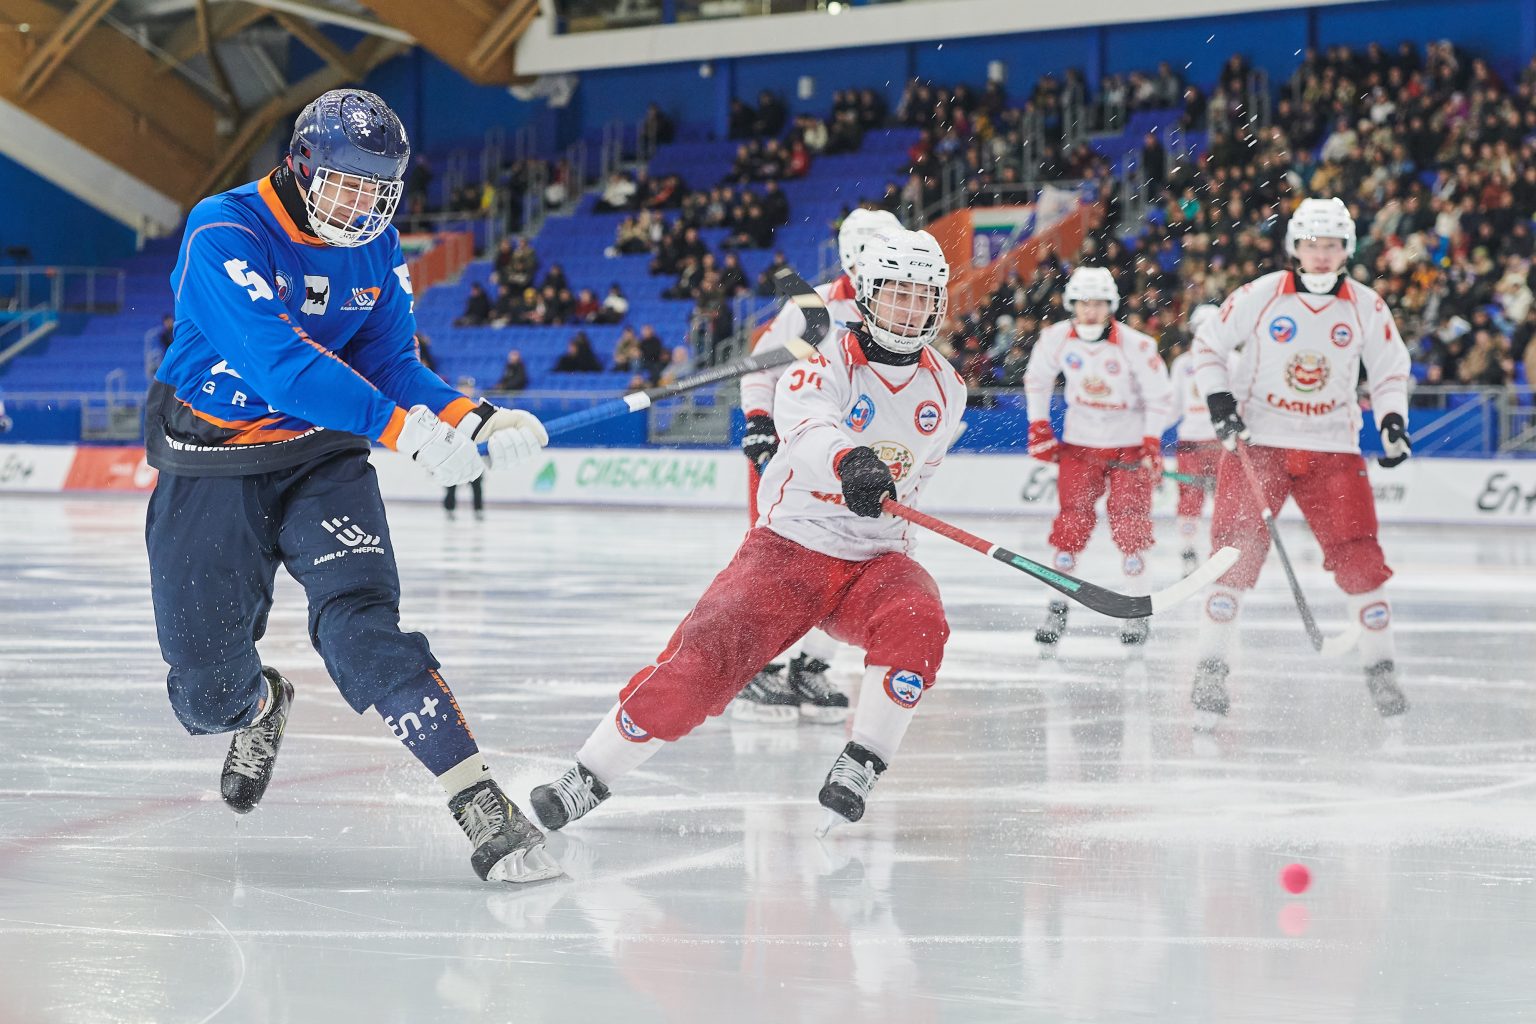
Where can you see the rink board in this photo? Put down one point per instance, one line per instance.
(1421, 491)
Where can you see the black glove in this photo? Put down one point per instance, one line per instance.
(1395, 441)
(761, 440)
(1230, 427)
(866, 482)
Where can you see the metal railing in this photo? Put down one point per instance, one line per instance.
(72, 289)
(23, 329)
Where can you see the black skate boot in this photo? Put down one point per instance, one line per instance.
(1050, 632)
(848, 784)
(1134, 632)
(1191, 560)
(820, 701)
(1209, 695)
(569, 797)
(508, 847)
(1381, 680)
(253, 750)
(768, 697)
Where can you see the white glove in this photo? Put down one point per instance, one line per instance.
(510, 435)
(448, 455)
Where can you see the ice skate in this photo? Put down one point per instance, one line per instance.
(253, 750)
(1051, 630)
(508, 847)
(767, 697)
(1209, 694)
(1381, 680)
(820, 701)
(569, 797)
(847, 787)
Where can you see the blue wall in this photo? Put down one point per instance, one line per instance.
(56, 226)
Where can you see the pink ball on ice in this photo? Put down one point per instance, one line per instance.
(1295, 878)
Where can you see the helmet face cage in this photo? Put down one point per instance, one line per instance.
(1320, 218)
(349, 210)
(1092, 283)
(349, 153)
(903, 316)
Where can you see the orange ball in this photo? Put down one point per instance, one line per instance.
(1295, 878)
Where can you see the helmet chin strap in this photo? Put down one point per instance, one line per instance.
(1089, 332)
(1318, 284)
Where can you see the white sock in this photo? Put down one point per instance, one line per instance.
(1133, 567)
(1218, 622)
(617, 746)
(1373, 612)
(1189, 526)
(469, 772)
(819, 645)
(886, 702)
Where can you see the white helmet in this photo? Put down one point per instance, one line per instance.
(858, 228)
(1092, 283)
(1200, 316)
(905, 317)
(1320, 218)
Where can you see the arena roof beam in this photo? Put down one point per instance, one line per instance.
(224, 20)
(76, 25)
(316, 40)
(508, 27)
(220, 76)
(366, 56)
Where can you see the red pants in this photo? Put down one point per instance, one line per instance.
(1080, 484)
(1332, 491)
(774, 592)
(1197, 458)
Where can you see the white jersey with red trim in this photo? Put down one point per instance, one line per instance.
(1194, 415)
(1118, 390)
(838, 400)
(1295, 374)
(757, 388)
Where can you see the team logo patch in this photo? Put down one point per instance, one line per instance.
(1307, 372)
(1111, 367)
(284, 285)
(317, 294)
(898, 457)
(862, 413)
(1095, 387)
(1221, 607)
(928, 417)
(1376, 616)
(1282, 329)
(1066, 561)
(628, 729)
(1341, 335)
(904, 687)
(1073, 361)
(362, 299)
(1133, 565)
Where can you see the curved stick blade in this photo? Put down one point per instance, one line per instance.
(1213, 569)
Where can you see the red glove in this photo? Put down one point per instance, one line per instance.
(1152, 455)
(1042, 442)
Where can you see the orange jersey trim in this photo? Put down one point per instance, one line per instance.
(391, 436)
(275, 206)
(456, 410)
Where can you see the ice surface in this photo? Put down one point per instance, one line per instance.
(1051, 845)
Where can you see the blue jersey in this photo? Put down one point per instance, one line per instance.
(284, 348)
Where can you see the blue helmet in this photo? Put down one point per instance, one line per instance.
(342, 136)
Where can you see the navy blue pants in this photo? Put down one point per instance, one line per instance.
(214, 547)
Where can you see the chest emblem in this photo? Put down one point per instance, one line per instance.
(1307, 372)
(861, 415)
(361, 299)
(317, 294)
(898, 457)
(1282, 329)
(1341, 335)
(928, 417)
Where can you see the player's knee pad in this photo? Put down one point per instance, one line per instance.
(358, 636)
(215, 698)
(1358, 565)
(911, 634)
